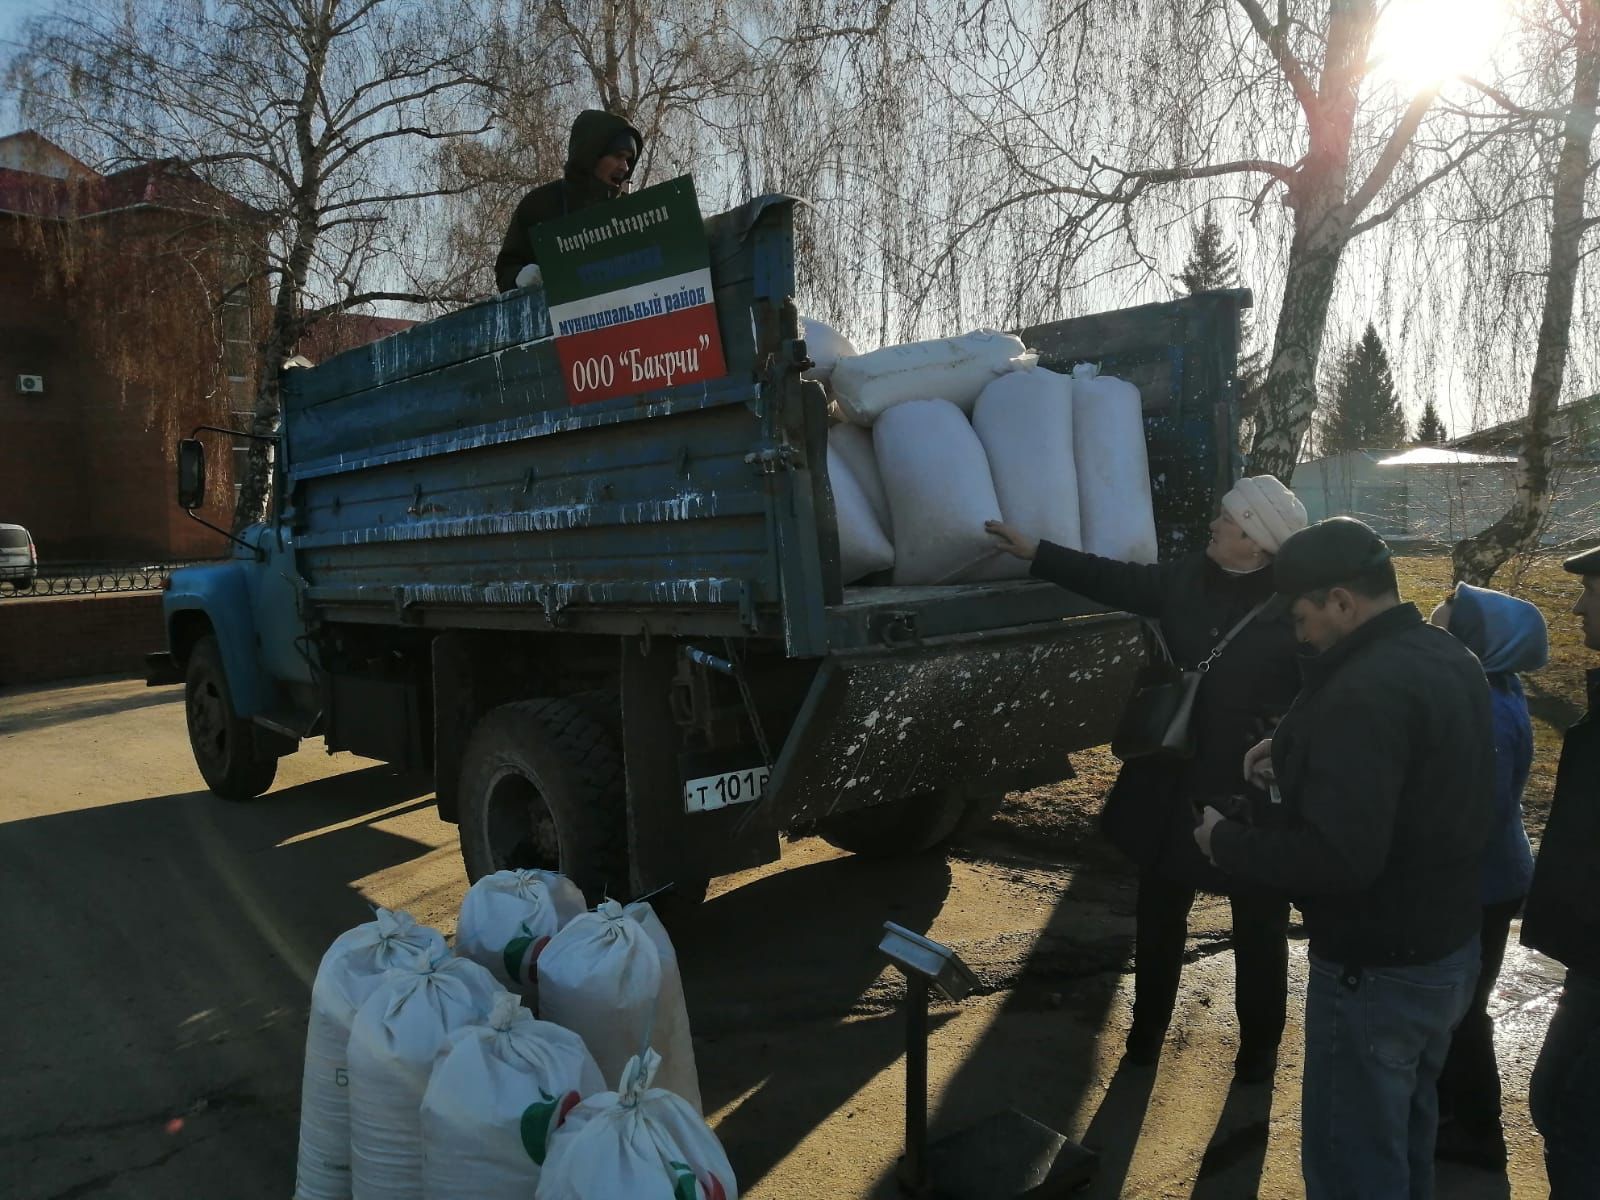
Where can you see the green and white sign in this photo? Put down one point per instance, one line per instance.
(629, 288)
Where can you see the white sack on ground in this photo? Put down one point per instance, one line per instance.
(854, 445)
(937, 478)
(1113, 467)
(605, 977)
(350, 971)
(509, 916)
(394, 1041)
(826, 346)
(863, 548)
(955, 368)
(641, 1142)
(497, 1093)
(671, 1037)
(1024, 421)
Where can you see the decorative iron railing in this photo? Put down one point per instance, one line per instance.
(90, 578)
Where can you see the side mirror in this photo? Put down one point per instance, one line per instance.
(191, 474)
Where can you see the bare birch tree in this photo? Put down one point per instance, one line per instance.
(310, 111)
(668, 67)
(1570, 30)
(1286, 104)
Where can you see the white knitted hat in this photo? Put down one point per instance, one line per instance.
(1266, 510)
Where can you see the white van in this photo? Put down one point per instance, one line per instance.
(19, 560)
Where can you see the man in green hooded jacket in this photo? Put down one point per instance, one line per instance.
(601, 155)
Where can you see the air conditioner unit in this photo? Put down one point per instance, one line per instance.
(30, 385)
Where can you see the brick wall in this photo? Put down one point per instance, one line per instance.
(88, 467)
(71, 636)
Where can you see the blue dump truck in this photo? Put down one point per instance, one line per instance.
(615, 633)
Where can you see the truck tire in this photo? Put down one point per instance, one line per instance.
(542, 785)
(909, 825)
(224, 746)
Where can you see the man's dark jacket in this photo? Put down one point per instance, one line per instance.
(1386, 765)
(592, 134)
(1195, 603)
(1562, 917)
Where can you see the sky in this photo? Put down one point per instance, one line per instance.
(12, 14)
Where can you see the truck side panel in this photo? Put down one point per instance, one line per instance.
(454, 483)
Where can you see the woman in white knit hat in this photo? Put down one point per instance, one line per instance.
(1195, 600)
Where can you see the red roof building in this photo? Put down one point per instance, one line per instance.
(126, 320)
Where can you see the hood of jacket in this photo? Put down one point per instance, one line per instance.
(592, 134)
(1507, 634)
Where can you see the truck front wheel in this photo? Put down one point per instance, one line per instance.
(224, 746)
(905, 826)
(542, 785)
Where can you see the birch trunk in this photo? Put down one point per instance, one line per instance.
(1476, 559)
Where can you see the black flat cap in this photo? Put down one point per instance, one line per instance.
(1587, 563)
(1329, 552)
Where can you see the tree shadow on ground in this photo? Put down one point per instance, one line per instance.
(28, 708)
(797, 951)
(1070, 974)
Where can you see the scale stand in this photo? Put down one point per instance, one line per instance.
(1006, 1156)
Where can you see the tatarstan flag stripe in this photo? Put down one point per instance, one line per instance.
(641, 302)
(643, 356)
(652, 234)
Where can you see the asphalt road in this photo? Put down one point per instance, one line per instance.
(159, 946)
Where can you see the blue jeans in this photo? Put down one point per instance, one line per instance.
(1564, 1094)
(1376, 1039)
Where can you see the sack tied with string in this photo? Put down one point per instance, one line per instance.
(350, 971)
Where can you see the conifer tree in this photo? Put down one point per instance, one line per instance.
(1364, 411)
(1430, 429)
(1213, 265)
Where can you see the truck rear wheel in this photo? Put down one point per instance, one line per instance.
(542, 785)
(909, 825)
(224, 746)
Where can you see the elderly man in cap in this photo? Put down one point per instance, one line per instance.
(1384, 767)
(1562, 919)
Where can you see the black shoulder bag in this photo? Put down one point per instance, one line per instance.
(1156, 723)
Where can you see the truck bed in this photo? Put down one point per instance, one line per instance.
(441, 478)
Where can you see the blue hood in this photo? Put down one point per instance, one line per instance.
(1507, 634)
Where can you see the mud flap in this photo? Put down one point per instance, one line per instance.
(995, 711)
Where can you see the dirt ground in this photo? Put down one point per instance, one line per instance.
(161, 943)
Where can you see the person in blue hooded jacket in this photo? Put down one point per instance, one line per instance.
(1507, 635)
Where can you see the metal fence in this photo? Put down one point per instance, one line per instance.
(91, 578)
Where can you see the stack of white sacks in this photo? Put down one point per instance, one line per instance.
(938, 437)
(427, 1077)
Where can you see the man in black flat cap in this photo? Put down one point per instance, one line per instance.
(602, 151)
(1384, 766)
(1562, 919)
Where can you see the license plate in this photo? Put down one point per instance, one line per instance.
(711, 792)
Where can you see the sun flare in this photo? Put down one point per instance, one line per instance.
(1420, 43)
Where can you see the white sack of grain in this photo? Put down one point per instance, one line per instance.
(863, 548)
(854, 445)
(606, 977)
(1024, 420)
(1113, 464)
(396, 1036)
(497, 1094)
(936, 476)
(507, 918)
(641, 1142)
(350, 971)
(826, 346)
(954, 368)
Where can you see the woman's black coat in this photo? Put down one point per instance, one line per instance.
(1195, 603)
